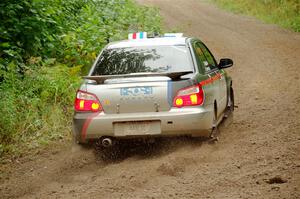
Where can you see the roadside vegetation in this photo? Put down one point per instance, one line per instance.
(45, 46)
(285, 13)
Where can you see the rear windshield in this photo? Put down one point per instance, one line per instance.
(143, 59)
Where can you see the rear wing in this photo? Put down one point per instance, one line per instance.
(172, 75)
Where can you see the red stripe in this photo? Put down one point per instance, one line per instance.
(211, 79)
(134, 35)
(86, 125)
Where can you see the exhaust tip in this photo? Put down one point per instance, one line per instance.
(107, 142)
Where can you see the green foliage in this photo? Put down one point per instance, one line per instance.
(285, 13)
(45, 45)
(36, 107)
(101, 22)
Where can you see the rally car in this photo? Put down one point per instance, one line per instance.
(147, 87)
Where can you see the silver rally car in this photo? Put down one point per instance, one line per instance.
(147, 87)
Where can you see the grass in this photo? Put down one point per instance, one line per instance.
(285, 13)
(36, 109)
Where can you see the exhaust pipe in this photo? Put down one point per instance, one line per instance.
(107, 142)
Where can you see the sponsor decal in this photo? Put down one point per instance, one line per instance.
(106, 102)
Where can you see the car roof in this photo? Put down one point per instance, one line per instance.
(157, 41)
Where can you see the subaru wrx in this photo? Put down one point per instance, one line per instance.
(147, 87)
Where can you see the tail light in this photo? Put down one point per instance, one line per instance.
(87, 102)
(190, 96)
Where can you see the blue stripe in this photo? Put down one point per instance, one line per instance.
(141, 35)
(170, 93)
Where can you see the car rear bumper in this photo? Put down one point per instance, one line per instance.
(194, 121)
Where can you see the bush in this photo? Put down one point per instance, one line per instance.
(36, 108)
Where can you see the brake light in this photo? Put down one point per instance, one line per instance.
(87, 102)
(190, 96)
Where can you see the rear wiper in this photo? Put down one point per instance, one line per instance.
(173, 75)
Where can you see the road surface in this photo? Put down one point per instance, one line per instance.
(257, 155)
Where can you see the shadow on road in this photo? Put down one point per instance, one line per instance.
(141, 150)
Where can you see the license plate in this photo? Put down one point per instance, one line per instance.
(137, 128)
(136, 91)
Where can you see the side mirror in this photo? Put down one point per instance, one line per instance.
(225, 63)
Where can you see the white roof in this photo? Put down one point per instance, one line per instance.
(159, 41)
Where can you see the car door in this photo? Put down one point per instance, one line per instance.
(210, 87)
(211, 68)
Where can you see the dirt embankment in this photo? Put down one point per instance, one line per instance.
(257, 155)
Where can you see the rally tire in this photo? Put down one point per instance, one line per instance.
(230, 103)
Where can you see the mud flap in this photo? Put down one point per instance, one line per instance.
(214, 135)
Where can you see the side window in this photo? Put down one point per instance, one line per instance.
(200, 58)
(211, 63)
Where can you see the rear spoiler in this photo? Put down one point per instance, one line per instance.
(172, 75)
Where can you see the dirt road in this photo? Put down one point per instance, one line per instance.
(258, 155)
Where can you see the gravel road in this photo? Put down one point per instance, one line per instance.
(258, 155)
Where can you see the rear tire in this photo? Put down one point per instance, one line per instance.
(230, 104)
(215, 130)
